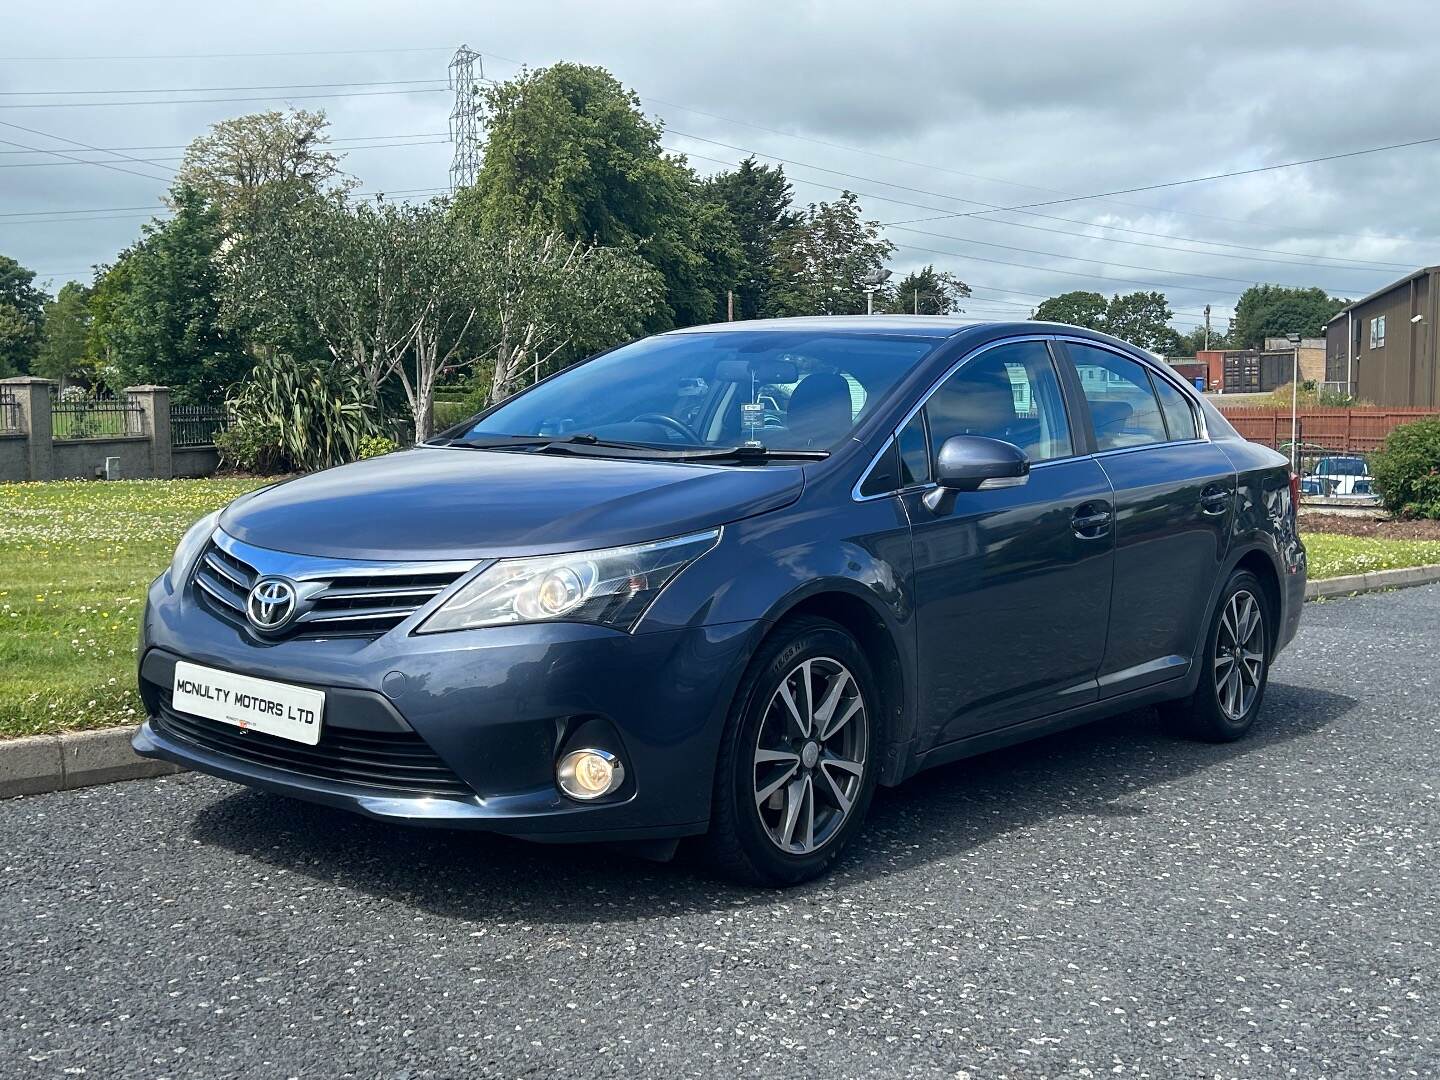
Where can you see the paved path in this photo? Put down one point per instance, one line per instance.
(1107, 902)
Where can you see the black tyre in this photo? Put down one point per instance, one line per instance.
(1237, 666)
(798, 759)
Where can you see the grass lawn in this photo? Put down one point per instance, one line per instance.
(1336, 556)
(75, 560)
(77, 556)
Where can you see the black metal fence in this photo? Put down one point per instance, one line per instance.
(9, 412)
(196, 425)
(94, 418)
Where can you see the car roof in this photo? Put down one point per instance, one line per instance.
(936, 326)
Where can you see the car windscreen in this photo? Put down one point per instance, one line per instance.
(783, 390)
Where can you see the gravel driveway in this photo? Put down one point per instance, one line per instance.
(1109, 901)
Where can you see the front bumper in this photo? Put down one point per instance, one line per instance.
(491, 708)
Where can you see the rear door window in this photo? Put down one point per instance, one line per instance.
(1123, 408)
(1179, 415)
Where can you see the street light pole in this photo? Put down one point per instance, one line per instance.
(872, 283)
(1295, 403)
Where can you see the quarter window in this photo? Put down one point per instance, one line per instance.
(1179, 416)
(1009, 393)
(1123, 409)
(914, 452)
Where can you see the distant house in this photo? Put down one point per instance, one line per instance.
(1383, 348)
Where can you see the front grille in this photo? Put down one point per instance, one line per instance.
(389, 761)
(339, 598)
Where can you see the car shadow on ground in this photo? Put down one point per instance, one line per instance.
(1101, 770)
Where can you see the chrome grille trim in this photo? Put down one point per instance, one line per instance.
(342, 597)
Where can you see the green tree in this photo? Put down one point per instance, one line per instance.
(1276, 311)
(758, 200)
(284, 154)
(1143, 319)
(316, 270)
(22, 313)
(1077, 308)
(570, 151)
(64, 344)
(157, 310)
(823, 261)
(406, 293)
(547, 299)
(928, 292)
(1197, 339)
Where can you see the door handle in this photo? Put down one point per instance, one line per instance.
(1214, 500)
(1091, 521)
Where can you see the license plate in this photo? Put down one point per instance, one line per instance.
(279, 709)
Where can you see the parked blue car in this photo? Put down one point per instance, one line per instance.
(725, 581)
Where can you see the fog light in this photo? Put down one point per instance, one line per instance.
(588, 774)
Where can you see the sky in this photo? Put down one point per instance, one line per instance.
(924, 109)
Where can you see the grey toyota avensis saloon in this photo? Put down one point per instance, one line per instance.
(724, 581)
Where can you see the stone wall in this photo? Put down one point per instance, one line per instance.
(33, 453)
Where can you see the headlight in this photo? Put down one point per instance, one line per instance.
(612, 587)
(189, 548)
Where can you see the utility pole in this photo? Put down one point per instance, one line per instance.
(729, 305)
(1207, 327)
(464, 127)
(917, 301)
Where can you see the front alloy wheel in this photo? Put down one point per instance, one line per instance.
(796, 764)
(810, 755)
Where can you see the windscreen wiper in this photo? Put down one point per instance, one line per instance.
(748, 453)
(584, 444)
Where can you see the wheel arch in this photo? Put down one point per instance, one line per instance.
(848, 606)
(1261, 563)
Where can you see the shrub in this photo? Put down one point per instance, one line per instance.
(252, 447)
(305, 414)
(376, 446)
(1407, 469)
(1311, 396)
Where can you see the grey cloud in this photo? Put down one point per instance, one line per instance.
(1079, 98)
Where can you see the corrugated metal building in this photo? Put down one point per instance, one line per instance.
(1392, 356)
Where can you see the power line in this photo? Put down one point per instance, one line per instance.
(346, 139)
(224, 55)
(1055, 191)
(957, 198)
(1197, 179)
(204, 101)
(216, 89)
(83, 146)
(158, 160)
(99, 164)
(1008, 247)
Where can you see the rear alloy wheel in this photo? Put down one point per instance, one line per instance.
(1239, 662)
(1237, 666)
(796, 767)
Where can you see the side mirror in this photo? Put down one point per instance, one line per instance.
(975, 463)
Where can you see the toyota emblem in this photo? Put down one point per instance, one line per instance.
(271, 604)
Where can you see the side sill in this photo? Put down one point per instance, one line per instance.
(1049, 725)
